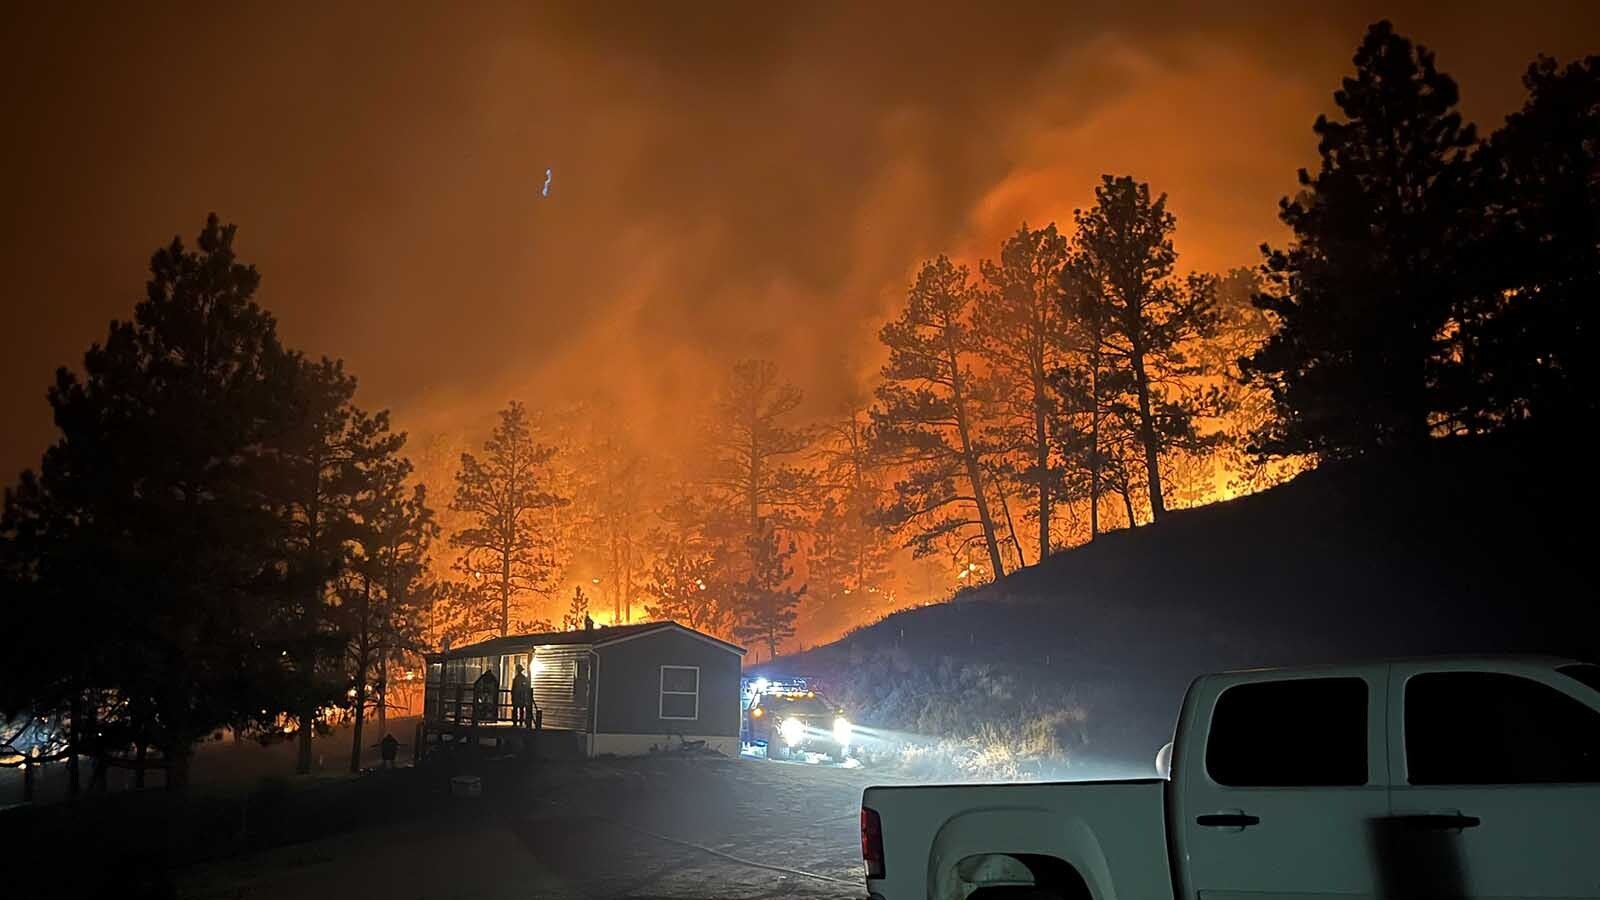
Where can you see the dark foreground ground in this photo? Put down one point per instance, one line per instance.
(655, 827)
(679, 827)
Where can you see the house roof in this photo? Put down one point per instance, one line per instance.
(599, 637)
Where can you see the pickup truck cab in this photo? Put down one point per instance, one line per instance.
(1448, 777)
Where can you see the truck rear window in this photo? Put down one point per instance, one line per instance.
(1305, 732)
(1494, 728)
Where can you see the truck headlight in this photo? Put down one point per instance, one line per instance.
(842, 731)
(793, 731)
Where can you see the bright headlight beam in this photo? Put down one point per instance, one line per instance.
(843, 731)
(793, 731)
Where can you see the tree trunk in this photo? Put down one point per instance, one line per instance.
(627, 582)
(616, 578)
(383, 689)
(1127, 502)
(356, 726)
(74, 731)
(178, 759)
(970, 458)
(505, 592)
(140, 754)
(302, 762)
(1147, 433)
(1041, 463)
(363, 663)
(1094, 447)
(308, 713)
(1011, 526)
(97, 773)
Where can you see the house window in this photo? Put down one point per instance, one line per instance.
(680, 692)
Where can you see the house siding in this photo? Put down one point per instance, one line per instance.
(553, 687)
(629, 696)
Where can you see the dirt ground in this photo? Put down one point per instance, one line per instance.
(678, 827)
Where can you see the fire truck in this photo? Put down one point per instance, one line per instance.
(788, 718)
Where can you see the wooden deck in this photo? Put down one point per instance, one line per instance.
(457, 720)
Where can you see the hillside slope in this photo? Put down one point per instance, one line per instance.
(1478, 545)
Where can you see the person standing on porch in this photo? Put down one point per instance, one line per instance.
(486, 697)
(521, 698)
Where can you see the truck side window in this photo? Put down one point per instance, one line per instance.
(1491, 728)
(1305, 732)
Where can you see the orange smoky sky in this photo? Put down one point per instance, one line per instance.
(728, 179)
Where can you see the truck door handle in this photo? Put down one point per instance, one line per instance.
(1449, 821)
(1230, 819)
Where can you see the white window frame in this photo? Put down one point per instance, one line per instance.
(661, 707)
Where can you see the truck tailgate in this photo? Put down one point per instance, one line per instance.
(1112, 832)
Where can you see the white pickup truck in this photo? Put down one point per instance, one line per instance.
(1450, 777)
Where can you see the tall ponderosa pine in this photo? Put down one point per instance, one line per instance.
(1369, 294)
(1531, 337)
(317, 473)
(387, 548)
(400, 539)
(181, 621)
(766, 604)
(930, 416)
(1023, 331)
(752, 443)
(754, 485)
(505, 549)
(1121, 287)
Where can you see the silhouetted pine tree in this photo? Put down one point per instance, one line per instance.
(930, 417)
(150, 534)
(506, 547)
(1023, 334)
(1121, 287)
(1532, 335)
(1370, 293)
(766, 604)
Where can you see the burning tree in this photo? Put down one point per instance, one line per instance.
(850, 551)
(506, 549)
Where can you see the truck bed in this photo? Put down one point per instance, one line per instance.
(1097, 827)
